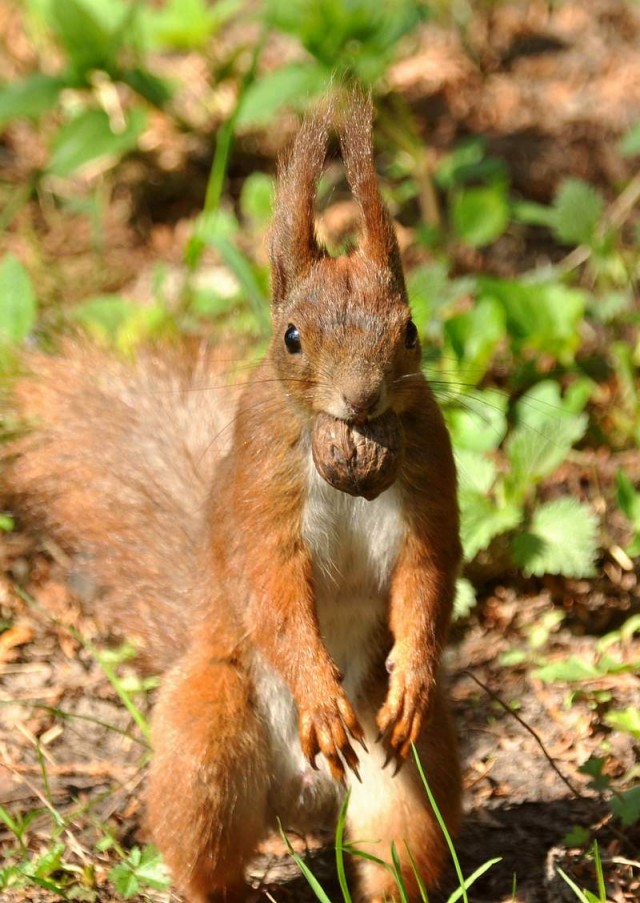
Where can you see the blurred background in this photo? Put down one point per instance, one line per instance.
(138, 146)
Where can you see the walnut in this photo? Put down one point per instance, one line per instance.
(358, 459)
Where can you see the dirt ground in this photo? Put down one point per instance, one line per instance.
(552, 87)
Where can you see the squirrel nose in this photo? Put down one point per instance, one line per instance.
(361, 405)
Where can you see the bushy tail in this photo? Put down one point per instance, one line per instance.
(117, 462)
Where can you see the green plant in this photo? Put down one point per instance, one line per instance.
(477, 189)
(587, 896)
(47, 870)
(331, 32)
(393, 867)
(99, 97)
(101, 50)
(18, 310)
(141, 868)
(502, 461)
(615, 654)
(628, 500)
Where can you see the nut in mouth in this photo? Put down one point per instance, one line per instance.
(360, 457)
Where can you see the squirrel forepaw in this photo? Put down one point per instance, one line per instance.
(401, 718)
(323, 729)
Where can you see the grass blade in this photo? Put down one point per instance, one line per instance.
(342, 878)
(311, 879)
(440, 820)
(602, 891)
(424, 896)
(574, 887)
(474, 877)
(397, 874)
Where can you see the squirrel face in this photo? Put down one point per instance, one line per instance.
(344, 342)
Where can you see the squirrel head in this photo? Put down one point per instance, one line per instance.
(344, 342)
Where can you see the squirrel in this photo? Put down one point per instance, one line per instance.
(299, 628)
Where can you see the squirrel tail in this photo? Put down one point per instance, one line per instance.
(117, 462)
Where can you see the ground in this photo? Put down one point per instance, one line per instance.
(552, 87)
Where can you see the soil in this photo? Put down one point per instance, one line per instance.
(552, 87)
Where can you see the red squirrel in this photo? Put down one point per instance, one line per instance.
(300, 628)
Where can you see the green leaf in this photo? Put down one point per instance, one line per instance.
(112, 15)
(120, 322)
(468, 163)
(480, 215)
(30, 97)
(427, 285)
(577, 208)
(535, 452)
(630, 144)
(578, 836)
(154, 89)
(561, 539)
(476, 421)
(481, 519)
(49, 862)
(628, 499)
(151, 869)
(105, 314)
(546, 430)
(89, 44)
(18, 307)
(541, 316)
(357, 37)
(626, 720)
(256, 199)
(474, 335)
(543, 406)
(292, 86)
(10, 877)
(532, 214)
(570, 670)
(124, 880)
(476, 472)
(141, 867)
(465, 598)
(184, 24)
(627, 806)
(89, 138)
(248, 277)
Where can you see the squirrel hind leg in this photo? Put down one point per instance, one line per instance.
(396, 809)
(208, 781)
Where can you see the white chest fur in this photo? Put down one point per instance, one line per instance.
(354, 544)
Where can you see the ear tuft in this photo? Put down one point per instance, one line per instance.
(293, 245)
(379, 242)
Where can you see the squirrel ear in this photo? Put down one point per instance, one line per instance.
(293, 245)
(378, 242)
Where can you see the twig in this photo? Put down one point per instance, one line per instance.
(574, 790)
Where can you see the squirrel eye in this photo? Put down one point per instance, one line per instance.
(411, 335)
(292, 339)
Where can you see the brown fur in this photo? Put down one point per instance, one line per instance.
(205, 556)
